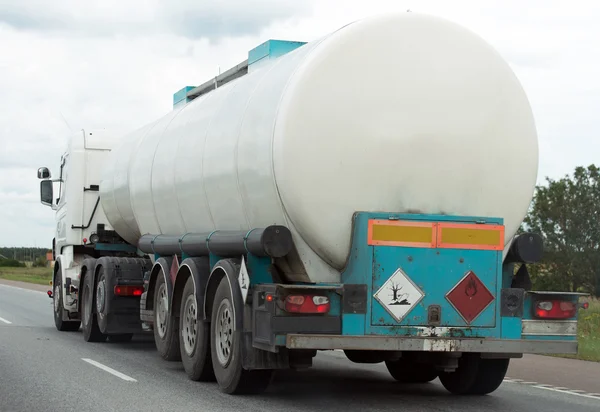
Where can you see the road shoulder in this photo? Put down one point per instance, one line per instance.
(25, 285)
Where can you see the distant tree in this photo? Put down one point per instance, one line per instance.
(40, 262)
(11, 263)
(566, 213)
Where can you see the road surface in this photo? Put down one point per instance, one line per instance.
(42, 369)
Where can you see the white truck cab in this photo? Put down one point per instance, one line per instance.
(80, 221)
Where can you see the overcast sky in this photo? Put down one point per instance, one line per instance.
(115, 64)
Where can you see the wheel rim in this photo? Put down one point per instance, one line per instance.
(190, 325)
(87, 305)
(224, 332)
(57, 298)
(162, 311)
(100, 293)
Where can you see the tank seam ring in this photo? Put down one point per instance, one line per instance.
(181, 242)
(152, 244)
(246, 239)
(208, 240)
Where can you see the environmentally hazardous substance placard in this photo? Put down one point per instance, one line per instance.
(399, 295)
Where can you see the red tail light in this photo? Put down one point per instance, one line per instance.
(555, 309)
(307, 304)
(126, 290)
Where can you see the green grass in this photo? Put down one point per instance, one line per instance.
(40, 276)
(589, 332)
(588, 329)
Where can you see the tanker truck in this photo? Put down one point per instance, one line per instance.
(362, 192)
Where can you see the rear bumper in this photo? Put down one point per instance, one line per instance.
(385, 343)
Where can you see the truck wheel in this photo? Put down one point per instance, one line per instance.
(226, 349)
(194, 338)
(91, 331)
(61, 325)
(475, 376)
(490, 375)
(406, 371)
(102, 301)
(166, 335)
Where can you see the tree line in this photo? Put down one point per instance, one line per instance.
(15, 256)
(566, 213)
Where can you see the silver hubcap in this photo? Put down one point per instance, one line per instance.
(100, 292)
(224, 332)
(190, 326)
(56, 298)
(162, 311)
(87, 306)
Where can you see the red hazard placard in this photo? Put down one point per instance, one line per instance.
(470, 297)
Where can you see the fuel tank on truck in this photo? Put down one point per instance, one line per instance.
(396, 113)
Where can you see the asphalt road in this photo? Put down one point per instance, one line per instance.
(42, 369)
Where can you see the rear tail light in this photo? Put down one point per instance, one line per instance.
(126, 290)
(555, 309)
(307, 304)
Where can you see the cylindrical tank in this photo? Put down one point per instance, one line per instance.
(396, 113)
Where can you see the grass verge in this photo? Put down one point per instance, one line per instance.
(588, 329)
(40, 276)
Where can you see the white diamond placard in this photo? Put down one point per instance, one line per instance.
(398, 295)
(244, 280)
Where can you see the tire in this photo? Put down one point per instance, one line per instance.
(166, 334)
(226, 349)
(61, 325)
(194, 338)
(91, 331)
(406, 371)
(490, 376)
(120, 338)
(475, 376)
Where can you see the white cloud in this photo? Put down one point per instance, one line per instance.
(191, 18)
(116, 64)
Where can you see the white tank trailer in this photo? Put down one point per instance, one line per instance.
(361, 192)
(403, 113)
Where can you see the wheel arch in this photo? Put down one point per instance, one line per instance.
(226, 268)
(199, 270)
(162, 265)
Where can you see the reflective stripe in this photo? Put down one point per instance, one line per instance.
(401, 233)
(549, 327)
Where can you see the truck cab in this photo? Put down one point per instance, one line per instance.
(81, 225)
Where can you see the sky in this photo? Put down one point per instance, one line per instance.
(68, 64)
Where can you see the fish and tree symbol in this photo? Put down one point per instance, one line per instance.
(398, 298)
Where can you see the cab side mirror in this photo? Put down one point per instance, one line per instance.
(46, 189)
(44, 173)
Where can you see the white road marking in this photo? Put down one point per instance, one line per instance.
(109, 370)
(37, 292)
(5, 321)
(337, 353)
(560, 389)
(568, 392)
